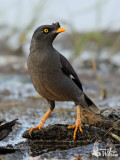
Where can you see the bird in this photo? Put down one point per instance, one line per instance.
(53, 77)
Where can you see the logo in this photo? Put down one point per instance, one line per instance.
(103, 152)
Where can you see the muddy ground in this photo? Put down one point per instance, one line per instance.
(19, 100)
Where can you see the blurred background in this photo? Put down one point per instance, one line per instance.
(90, 25)
(91, 43)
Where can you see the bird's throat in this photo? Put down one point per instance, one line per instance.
(40, 45)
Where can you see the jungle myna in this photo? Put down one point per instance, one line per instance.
(53, 76)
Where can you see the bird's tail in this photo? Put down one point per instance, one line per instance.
(88, 104)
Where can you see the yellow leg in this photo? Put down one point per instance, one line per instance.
(77, 124)
(40, 126)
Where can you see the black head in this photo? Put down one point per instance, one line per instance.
(47, 33)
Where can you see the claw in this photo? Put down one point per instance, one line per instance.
(71, 127)
(76, 126)
(40, 126)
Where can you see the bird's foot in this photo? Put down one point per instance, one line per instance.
(76, 126)
(40, 126)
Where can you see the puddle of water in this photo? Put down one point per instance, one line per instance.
(18, 87)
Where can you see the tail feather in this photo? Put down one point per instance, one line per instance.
(89, 105)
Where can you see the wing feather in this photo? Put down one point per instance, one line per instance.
(69, 71)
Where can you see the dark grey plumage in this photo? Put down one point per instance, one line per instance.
(52, 75)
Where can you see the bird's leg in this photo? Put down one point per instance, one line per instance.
(77, 124)
(40, 126)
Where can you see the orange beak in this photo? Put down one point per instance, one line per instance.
(60, 30)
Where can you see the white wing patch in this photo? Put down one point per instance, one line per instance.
(71, 76)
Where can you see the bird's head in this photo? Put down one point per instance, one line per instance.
(47, 33)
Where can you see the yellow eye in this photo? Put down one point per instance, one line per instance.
(45, 30)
